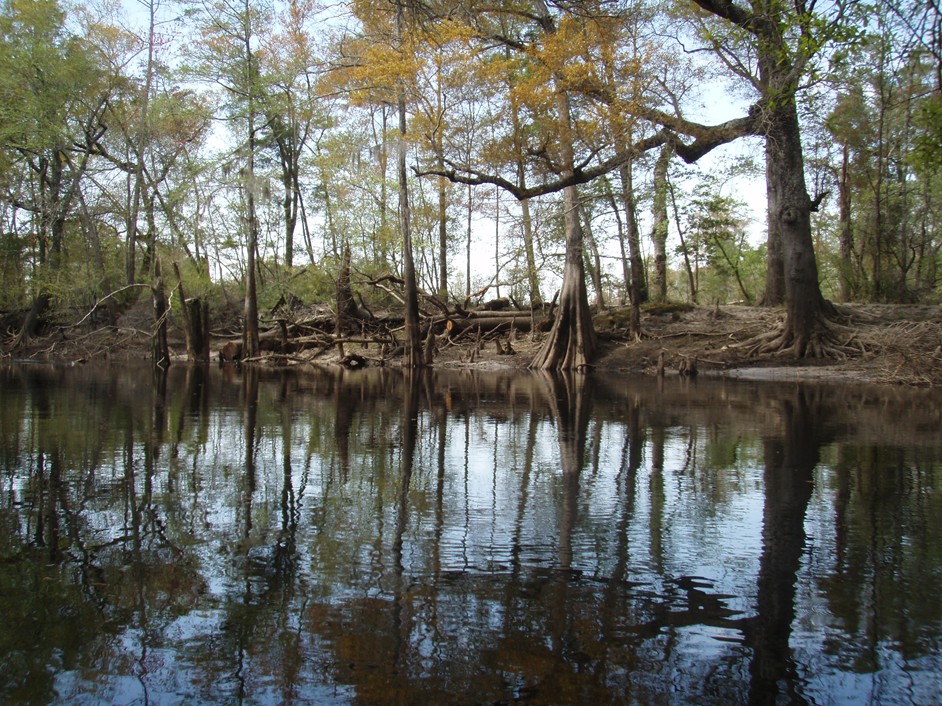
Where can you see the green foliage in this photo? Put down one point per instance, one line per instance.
(927, 152)
(729, 267)
(885, 122)
(13, 250)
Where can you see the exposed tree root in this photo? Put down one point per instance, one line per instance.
(829, 340)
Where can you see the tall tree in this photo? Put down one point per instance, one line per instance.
(571, 342)
(289, 102)
(53, 98)
(659, 229)
(227, 57)
(141, 140)
(382, 64)
(414, 356)
(546, 40)
(785, 39)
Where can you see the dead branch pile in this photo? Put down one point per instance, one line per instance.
(910, 351)
(293, 332)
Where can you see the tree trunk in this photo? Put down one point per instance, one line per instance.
(775, 264)
(622, 246)
(594, 259)
(571, 342)
(533, 277)
(639, 286)
(56, 202)
(659, 229)
(442, 202)
(845, 230)
(347, 310)
(691, 280)
(197, 330)
(140, 145)
(91, 227)
(790, 215)
(443, 237)
(413, 357)
(160, 346)
(250, 345)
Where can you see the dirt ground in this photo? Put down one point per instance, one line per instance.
(892, 344)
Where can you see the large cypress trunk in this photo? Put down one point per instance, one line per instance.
(790, 213)
(571, 342)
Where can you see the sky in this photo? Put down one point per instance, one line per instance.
(715, 105)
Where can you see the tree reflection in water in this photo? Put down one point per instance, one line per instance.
(455, 537)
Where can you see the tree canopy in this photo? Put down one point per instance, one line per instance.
(430, 152)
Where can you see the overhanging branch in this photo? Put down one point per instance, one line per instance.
(705, 138)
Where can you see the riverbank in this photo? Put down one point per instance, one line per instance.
(890, 344)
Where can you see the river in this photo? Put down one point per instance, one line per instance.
(458, 537)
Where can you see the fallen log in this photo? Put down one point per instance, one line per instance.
(458, 326)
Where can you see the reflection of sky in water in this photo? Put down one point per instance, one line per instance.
(646, 573)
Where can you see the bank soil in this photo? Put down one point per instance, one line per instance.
(892, 344)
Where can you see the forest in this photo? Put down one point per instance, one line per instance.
(322, 172)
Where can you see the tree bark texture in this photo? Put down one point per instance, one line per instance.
(659, 229)
(161, 348)
(413, 356)
(639, 285)
(774, 294)
(790, 213)
(571, 342)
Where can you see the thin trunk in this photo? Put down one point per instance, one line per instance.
(286, 140)
(497, 264)
(467, 262)
(639, 287)
(691, 280)
(143, 135)
(160, 346)
(413, 356)
(383, 166)
(442, 203)
(250, 343)
(533, 278)
(593, 259)
(442, 237)
(91, 227)
(845, 229)
(622, 245)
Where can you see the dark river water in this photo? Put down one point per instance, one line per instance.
(457, 537)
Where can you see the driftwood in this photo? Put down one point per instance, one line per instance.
(295, 330)
(457, 327)
(688, 367)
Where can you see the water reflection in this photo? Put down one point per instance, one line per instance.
(457, 537)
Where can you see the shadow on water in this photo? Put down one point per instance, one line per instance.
(254, 536)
